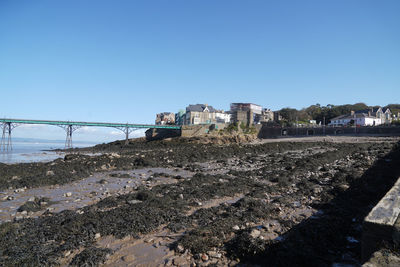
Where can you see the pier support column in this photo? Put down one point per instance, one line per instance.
(127, 130)
(69, 129)
(6, 141)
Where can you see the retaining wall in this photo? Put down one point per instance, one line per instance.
(275, 132)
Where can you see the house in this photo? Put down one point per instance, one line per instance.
(205, 114)
(359, 119)
(222, 117)
(246, 113)
(180, 117)
(266, 115)
(384, 114)
(277, 116)
(165, 118)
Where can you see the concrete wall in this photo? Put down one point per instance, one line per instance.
(194, 130)
(158, 134)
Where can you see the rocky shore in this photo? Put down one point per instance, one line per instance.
(196, 202)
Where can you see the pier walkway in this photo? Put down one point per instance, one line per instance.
(7, 125)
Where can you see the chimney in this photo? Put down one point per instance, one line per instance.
(352, 113)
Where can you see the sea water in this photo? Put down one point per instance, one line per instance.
(36, 151)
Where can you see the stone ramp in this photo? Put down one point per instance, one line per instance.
(382, 224)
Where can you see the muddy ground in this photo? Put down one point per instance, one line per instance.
(191, 202)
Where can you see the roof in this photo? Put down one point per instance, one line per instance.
(244, 104)
(356, 115)
(368, 110)
(199, 108)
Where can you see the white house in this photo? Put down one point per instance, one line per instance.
(359, 119)
(382, 113)
(222, 117)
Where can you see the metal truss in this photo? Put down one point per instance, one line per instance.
(69, 129)
(127, 130)
(6, 141)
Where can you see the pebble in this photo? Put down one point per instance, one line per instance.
(68, 194)
(236, 228)
(97, 236)
(181, 196)
(204, 257)
(255, 233)
(179, 261)
(128, 258)
(214, 254)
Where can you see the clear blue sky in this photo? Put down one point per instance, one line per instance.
(124, 61)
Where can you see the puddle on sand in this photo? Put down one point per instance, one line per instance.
(84, 192)
(148, 251)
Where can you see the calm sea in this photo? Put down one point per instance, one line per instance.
(34, 150)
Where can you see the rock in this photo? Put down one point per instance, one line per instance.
(67, 253)
(181, 196)
(343, 187)
(69, 157)
(24, 212)
(317, 190)
(128, 258)
(68, 194)
(214, 254)
(31, 199)
(19, 190)
(179, 261)
(49, 173)
(97, 236)
(180, 248)
(255, 233)
(236, 228)
(204, 257)
(104, 167)
(103, 181)
(134, 201)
